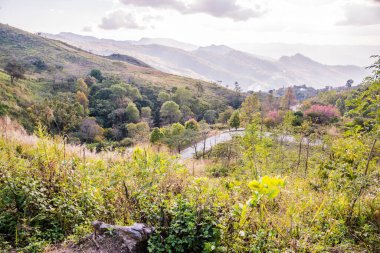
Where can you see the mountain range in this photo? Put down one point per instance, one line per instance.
(220, 63)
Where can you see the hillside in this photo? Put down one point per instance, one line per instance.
(61, 60)
(221, 63)
(53, 67)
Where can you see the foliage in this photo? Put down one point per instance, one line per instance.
(97, 74)
(139, 132)
(234, 120)
(90, 130)
(272, 119)
(170, 112)
(322, 114)
(249, 108)
(156, 135)
(363, 106)
(15, 71)
(210, 116)
(132, 113)
(192, 124)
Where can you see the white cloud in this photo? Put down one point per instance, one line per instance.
(361, 15)
(119, 19)
(216, 8)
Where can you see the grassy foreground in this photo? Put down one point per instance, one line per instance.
(50, 192)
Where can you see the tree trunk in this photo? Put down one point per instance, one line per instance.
(299, 151)
(307, 156)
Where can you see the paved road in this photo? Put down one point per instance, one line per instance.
(210, 142)
(227, 135)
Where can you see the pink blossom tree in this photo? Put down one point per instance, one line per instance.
(322, 114)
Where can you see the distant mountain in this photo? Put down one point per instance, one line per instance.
(328, 54)
(223, 64)
(167, 42)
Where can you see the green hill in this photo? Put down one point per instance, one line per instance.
(52, 65)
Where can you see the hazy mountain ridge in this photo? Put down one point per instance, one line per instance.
(225, 64)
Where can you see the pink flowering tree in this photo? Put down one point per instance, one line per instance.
(322, 114)
(272, 118)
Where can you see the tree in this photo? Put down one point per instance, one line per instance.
(249, 108)
(210, 116)
(132, 113)
(234, 120)
(82, 86)
(146, 113)
(182, 96)
(322, 114)
(170, 112)
(204, 132)
(192, 124)
(225, 115)
(15, 71)
(186, 113)
(163, 96)
(139, 132)
(349, 83)
(97, 74)
(288, 99)
(341, 105)
(82, 99)
(177, 138)
(156, 135)
(90, 130)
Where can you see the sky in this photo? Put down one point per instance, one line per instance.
(204, 22)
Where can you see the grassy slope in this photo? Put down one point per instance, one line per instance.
(64, 60)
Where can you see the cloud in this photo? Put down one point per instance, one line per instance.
(87, 29)
(361, 15)
(165, 4)
(119, 19)
(216, 8)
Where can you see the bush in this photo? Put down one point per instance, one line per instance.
(322, 114)
(126, 142)
(188, 229)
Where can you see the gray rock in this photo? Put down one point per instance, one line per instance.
(123, 239)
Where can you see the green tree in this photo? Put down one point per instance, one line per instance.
(192, 124)
(234, 120)
(186, 112)
(210, 116)
(341, 106)
(146, 113)
(132, 113)
(170, 112)
(225, 115)
(139, 132)
(97, 74)
(156, 135)
(250, 108)
(163, 96)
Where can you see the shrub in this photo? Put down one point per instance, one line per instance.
(188, 230)
(322, 114)
(272, 119)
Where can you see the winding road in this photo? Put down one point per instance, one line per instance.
(227, 135)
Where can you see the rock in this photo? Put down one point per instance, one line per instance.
(115, 239)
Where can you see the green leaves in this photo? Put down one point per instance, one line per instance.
(268, 187)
